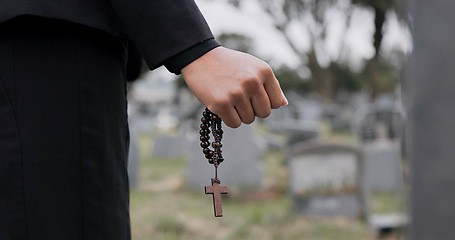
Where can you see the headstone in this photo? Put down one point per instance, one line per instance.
(300, 120)
(339, 117)
(241, 168)
(384, 177)
(383, 118)
(166, 119)
(306, 125)
(431, 120)
(388, 225)
(309, 110)
(326, 179)
(140, 122)
(168, 146)
(133, 162)
(383, 170)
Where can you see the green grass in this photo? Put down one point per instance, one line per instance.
(162, 208)
(387, 202)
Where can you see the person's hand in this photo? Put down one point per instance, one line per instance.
(234, 85)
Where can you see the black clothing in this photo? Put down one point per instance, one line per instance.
(161, 29)
(63, 120)
(64, 133)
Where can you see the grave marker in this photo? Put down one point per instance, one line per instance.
(133, 162)
(326, 179)
(241, 168)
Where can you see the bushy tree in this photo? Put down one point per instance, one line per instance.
(328, 72)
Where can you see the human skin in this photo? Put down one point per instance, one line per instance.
(236, 86)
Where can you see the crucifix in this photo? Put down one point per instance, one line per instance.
(211, 123)
(216, 190)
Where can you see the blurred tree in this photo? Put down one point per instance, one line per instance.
(380, 9)
(313, 18)
(347, 80)
(236, 41)
(290, 80)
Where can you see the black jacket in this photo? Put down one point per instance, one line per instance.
(169, 32)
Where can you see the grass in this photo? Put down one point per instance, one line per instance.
(162, 208)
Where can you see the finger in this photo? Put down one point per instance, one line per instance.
(273, 89)
(229, 116)
(261, 103)
(245, 110)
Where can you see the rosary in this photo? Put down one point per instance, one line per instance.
(211, 123)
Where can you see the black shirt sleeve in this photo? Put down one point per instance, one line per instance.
(163, 30)
(179, 61)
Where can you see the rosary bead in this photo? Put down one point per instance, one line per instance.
(205, 144)
(204, 120)
(206, 113)
(211, 123)
(209, 155)
(204, 132)
(217, 144)
(206, 151)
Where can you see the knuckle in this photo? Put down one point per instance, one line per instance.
(219, 106)
(235, 96)
(266, 71)
(251, 83)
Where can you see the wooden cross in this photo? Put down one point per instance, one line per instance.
(216, 190)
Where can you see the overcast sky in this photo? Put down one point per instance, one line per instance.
(268, 43)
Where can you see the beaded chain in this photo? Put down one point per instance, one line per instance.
(211, 123)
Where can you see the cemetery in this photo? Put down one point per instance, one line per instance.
(363, 150)
(361, 147)
(323, 185)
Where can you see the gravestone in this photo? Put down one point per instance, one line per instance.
(168, 146)
(241, 168)
(384, 179)
(133, 162)
(339, 117)
(300, 120)
(326, 179)
(275, 121)
(306, 126)
(383, 118)
(383, 169)
(140, 123)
